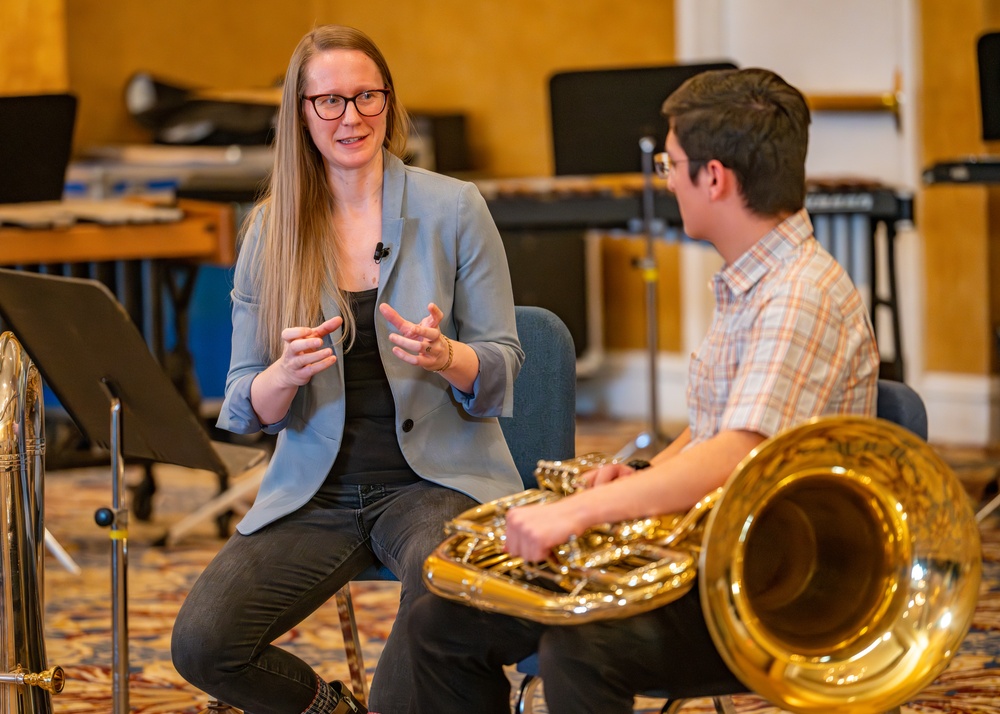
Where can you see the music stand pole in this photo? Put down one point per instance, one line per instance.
(117, 519)
(651, 276)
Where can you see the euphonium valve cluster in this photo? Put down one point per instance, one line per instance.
(611, 570)
(838, 569)
(25, 683)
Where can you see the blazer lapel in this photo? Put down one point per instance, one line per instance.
(393, 186)
(329, 308)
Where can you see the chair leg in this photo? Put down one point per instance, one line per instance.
(723, 705)
(525, 702)
(988, 509)
(352, 643)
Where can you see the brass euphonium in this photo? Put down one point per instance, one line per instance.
(25, 683)
(839, 567)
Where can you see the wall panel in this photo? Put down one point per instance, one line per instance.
(487, 58)
(33, 47)
(954, 221)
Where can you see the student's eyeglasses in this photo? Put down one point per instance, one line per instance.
(663, 164)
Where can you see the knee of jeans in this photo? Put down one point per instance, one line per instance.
(199, 649)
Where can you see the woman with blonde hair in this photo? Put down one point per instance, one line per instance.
(373, 332)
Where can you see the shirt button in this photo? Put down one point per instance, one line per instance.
(408, 425)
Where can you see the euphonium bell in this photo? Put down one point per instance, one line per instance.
(25, 684)
(841, 568)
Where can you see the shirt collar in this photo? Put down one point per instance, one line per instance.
(765, 254)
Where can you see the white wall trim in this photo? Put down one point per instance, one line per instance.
(961, 408)
(620, 389)
(698, 30)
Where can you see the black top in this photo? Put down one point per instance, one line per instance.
(370, 452)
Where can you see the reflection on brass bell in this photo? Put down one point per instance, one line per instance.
(217, 707)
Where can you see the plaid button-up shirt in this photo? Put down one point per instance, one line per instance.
(790, 339)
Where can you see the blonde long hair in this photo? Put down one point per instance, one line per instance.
(300, 252)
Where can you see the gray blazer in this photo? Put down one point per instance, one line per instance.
(444, 248)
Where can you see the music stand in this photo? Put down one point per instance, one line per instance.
(36, 151)
(98, 365)
(599, 115)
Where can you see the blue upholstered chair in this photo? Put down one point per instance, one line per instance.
(543, 427)
(897, 403)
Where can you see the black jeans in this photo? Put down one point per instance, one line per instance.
(260, 586)
(459, 653)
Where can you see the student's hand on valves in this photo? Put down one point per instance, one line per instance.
(605, 474)
(304, 355)
(533, 531)
(418, 343)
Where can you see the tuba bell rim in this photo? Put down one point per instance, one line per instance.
(933, 567)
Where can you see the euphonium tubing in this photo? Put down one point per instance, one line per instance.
(838, 568)
(613, 570)
(841, 567)
(24, 682)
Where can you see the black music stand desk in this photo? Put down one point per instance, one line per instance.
(80, 336)
(98, 365)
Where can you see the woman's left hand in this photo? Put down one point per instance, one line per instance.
(418, 343)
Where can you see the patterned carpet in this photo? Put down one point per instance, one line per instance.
(78, 608)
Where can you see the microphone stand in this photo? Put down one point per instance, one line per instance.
(652, 437)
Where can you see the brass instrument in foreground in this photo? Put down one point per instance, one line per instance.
(839, 567)
(612, 570)
(24, 682)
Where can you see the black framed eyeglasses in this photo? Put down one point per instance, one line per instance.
(369, 103)
(663, 164)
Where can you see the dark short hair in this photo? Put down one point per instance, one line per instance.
(754, 123)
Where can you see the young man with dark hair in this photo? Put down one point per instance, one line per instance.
(790, 339)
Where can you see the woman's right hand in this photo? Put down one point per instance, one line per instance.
(303, 355)
(302, 358)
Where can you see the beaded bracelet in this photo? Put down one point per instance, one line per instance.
(451, 354)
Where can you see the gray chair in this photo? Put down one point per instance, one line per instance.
(543, 427)
(897, 403)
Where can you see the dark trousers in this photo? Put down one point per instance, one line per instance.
(260, 586)
(459, 653)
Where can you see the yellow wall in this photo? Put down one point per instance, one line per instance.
(958, 223)
(33, 47)
(490, 59)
